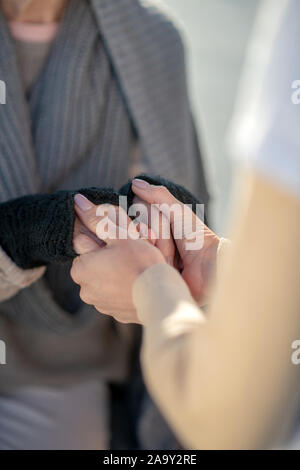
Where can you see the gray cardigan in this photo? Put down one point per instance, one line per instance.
(147, 56)
(115, 80)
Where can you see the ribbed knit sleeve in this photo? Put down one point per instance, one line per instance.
(178, 191)
(38, 230)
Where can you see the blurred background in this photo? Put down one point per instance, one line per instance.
(216, 33)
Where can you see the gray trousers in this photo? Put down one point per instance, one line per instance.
(74, 417)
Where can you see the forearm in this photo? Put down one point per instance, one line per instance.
(222, 376)
(38, 230)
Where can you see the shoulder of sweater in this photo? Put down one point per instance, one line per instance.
(158, 14)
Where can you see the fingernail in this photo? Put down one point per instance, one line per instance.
(82, 202)
(140, 183)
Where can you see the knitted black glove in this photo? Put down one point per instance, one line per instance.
(178, 191)
(38, 230)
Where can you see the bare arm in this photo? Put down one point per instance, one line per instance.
(215, 380)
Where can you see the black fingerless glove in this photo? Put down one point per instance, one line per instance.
(178, 191)
(38, 230)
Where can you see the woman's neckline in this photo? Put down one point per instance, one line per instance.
(33, 32)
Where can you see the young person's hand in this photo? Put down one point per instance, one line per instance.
(198, 265)
(84, 240)
(106, 275)
(159, 225)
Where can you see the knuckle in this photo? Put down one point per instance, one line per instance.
(121, 319)
(75, 272)
(160, 193)
(85, 296)
(94, 220)
(79, 243)
(107, 210)
(100, 309)
(121, 218)
(163, 190)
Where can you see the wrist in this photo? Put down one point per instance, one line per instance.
(150, 256)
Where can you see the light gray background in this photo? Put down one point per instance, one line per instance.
(217, 32)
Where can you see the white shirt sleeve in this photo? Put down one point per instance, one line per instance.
(265, 133)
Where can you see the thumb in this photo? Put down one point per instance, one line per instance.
(153, 194)
(87, 212)
(180, 216)
(96, 218)
(84, 244)
(105, 220)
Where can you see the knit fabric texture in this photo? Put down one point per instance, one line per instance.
(38, 230)
(178, 191)
(114, 80)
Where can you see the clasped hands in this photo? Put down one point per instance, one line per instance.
(113, 255)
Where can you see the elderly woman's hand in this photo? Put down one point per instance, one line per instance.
(197, 246)
(159, 225)
(106, 275)
(84, 240)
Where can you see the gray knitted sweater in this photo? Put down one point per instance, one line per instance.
(114, 79)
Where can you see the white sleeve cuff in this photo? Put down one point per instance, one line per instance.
(223, 247)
